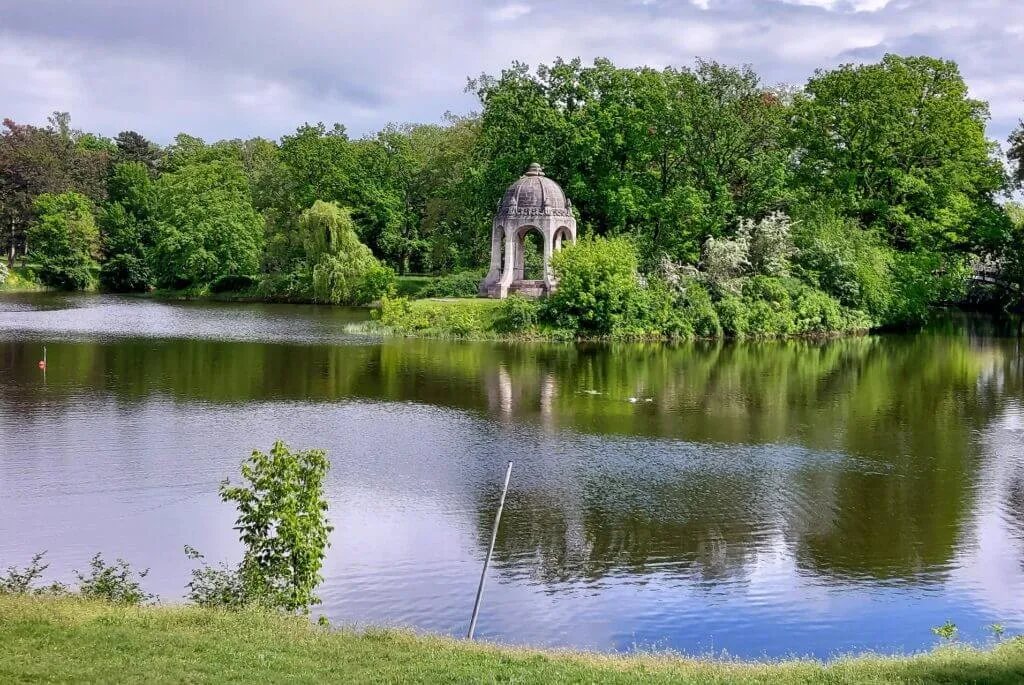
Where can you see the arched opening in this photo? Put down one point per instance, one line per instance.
(530, 260)
(563, 237)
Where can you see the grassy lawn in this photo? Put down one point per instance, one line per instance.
(72, 640)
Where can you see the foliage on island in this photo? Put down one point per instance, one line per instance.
(881, 173)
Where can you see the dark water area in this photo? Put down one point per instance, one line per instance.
(765, 499)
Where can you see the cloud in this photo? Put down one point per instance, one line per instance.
(510, 12)
(216, 71)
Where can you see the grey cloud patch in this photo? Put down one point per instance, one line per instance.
(215, 70)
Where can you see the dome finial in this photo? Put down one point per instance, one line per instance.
(535, 170)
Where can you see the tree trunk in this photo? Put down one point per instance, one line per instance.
(12, 249)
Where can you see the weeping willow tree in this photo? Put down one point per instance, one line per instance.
(344, 270)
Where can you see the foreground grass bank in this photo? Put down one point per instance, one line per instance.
(72, 640)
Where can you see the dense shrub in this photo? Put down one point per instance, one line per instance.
(769, 244)
(466, 318)
(700, 312)
(461, 284)
(768, 304)
(849, 263)
(125, 273)
(598, 286)
(232, 284)
(3, 273)
(817, 312)
(116, 582)
(655, 311)
(732, 315)
(516, 314)
(291, 285)
(64, 240)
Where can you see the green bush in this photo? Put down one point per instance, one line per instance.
(232, 283)
(656, 312)
(769, 310)
(125, 273)
(3, 273)
(818, 312)
(115, 582)
(732, 314)
(293, 285)
(378, 281)
(221, 587)
(461, 284)
(849, 263)
(516, 314)
(598, 287)
(698, 309)
(460, 319)
(23, 581)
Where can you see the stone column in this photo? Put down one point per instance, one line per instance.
(549, 249)
(510, 264)
(520, 256)
(494, 272)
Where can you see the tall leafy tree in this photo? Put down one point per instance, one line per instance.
(65, 240)
(36, 160)
(672, 155)
(134, 147)
(901, 146)
(127, 228)
(1016, 154)
(205, 224)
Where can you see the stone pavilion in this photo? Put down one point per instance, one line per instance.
(533, 203)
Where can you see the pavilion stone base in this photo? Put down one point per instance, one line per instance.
(531, 289)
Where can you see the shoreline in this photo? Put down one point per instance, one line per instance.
(70, 639)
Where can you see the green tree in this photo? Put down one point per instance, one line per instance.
(64, 240)
(1016, 154)
(205, 224)
(282, 523)
(36, 160)
(344, 271)
(126, 224)
(900, 147)
(134, 147)
(672, 156)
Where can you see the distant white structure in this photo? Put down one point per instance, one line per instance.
(533, 203)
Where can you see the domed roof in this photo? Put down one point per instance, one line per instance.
(534, 194)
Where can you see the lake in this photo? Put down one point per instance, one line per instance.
(761, 499)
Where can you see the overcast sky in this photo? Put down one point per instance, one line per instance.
(241, 68)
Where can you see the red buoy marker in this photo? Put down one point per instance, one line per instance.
(42, 363)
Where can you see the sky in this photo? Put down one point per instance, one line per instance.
(243, 68)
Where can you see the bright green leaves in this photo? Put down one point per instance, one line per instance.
(64, 240)
(282, 523)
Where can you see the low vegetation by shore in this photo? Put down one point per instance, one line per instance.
(17, 280)
(75, 640)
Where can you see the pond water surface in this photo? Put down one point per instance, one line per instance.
(761, 499)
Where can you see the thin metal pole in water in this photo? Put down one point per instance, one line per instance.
(490, 551)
